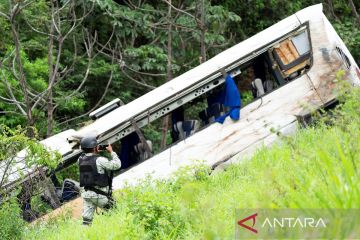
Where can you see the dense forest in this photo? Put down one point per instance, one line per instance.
(61, 59)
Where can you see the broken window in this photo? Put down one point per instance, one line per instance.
(293, 55)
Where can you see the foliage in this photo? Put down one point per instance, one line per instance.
(9, 81)
(71, 172)
(18, 153)
(316, 168)
(156, 211)
(153, 133)
(246, 97)
(133, 61)
(12, 225)
(147, 58)
(54, 67)
(39, 207)
(350, 34)
(136, 36)
(265, 13)
(12, 141)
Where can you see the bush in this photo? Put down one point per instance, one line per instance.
(12, 225)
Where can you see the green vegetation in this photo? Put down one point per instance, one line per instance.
(117, 49)
(59, 60)
(12, 226)
(13, 141)
(316, 168)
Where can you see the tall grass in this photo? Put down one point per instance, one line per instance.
(316, 168)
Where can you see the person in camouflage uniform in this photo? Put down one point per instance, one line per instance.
(96, 177)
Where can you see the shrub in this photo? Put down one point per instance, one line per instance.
(12, 225)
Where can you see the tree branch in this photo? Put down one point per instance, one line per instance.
(136, 81)
(18, 104)
(11, 101)
(182, 11)
(89, 47)
(12, 112)
(144, 73)
(98, 102)
(22, 80)
(4, 15)
(36, 30)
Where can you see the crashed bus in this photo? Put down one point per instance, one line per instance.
(293, 64)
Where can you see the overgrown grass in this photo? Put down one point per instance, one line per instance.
(316, 168)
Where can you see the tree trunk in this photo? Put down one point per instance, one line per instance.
(50, 104)
(203, 31)
(22, 79)
(353, 8)
(50, 115)
(169, 76)
(331, 8)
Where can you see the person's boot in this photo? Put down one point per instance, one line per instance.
(110, 205)
(87, 222)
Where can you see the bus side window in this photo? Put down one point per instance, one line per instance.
(293, 55)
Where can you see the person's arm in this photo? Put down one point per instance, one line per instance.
(114, 163)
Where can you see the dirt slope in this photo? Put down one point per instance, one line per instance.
(72, 209)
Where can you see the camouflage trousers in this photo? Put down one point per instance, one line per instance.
(91, 202)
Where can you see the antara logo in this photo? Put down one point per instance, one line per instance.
(287, 222)
(252, 229)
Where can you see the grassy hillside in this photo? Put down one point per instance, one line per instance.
(319, 167)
